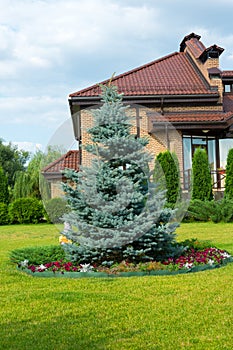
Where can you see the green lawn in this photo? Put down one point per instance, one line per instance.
(193, 311)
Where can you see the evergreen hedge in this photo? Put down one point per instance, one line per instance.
(170, 166)
(201, 176)
(229, 176)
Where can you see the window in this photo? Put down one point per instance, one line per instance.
(224, 146)
(190, 144)
(227, 88)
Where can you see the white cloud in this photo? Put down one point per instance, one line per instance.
(28, 146)
(41, 35)
(50, 48)
(33, 117)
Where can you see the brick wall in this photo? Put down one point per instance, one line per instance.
(158, 142)
(56, 190)
(86, 123)
(162, 140)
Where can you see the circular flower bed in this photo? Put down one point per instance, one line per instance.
(192, 260)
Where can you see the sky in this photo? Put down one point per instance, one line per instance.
(51, 48)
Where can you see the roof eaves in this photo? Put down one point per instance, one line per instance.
(88, 100)
(52, 164)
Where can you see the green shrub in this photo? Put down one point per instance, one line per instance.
(196, 244)
(170, 166)
(227, 210)
(215, 211)
(55, 209)
(4, 219)
(229, 176)
(26, 211)
(38, 255)
(201, 176)
(199, 210)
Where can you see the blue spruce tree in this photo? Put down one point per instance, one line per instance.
(117, 212)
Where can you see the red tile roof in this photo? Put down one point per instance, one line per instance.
(70, 160)
(171, 75)
(201, 117)
(198, 117)
(228, 102)
(227, 73)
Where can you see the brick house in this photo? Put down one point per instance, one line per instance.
(186, 90)
(181, 101)
(53, 172)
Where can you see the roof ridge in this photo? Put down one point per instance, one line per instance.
(128, 72)
(199, 72)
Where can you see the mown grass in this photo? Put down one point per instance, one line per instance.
(193, 311)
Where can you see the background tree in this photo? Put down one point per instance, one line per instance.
(201, 176)
(27, 182)
(4, 192)
(20, 189)
(12, 160)
(30, 182)
(117, 213)
(229, 176)
(170, 167)
(52, 153)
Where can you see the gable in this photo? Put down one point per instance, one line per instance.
(70, 160)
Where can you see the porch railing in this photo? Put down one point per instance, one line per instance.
(218, 179)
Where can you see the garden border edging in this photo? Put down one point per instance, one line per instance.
(67, 274)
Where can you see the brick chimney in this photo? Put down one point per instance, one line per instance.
(206, 59)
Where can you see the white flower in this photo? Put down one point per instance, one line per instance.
(188, 265)
(225, 255)
(24, 263)
(86, 268)
(211, 262)
(67, 226)
(42, 267)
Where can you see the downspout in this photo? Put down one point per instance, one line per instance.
(138, 121)
(167, 137)
(166, 125)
